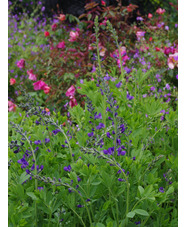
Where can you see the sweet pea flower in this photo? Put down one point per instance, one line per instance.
(103, 3)
(54, 26)
(172, 61)
(61, 45)
(31, 75)
(46, 33)
(102, 51)
(12, 81)
(140, 34)
(70, 92)
(160, 11)
(150, 15)
(46, 89)
(21, 64)
(73, 102)
(73, 36)
(61, 17)
(11, 106)
(39, 85)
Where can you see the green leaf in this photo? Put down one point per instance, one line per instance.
(23, 177)
(141, 212)
(131, 214)
(100, 225)
(32, 195)
(170, 190)
(141, 190)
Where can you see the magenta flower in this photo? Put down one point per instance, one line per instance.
(70, 92)
(73, 102)
(61, 45)
(46, 89)
(12, 81)
(73, 36)
(31, 75)
(11, 106)
(21, 64)
(54, 26)
(39, 85)
(160, 11)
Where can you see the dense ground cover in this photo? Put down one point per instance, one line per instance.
(93, 134)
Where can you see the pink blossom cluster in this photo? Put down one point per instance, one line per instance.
(70, 93)
(41, 85)
(172, 60)
(21, 64)
(11, 106)
(73, 36)
(12, 81)
(115, 55)
(61, 45)
(31, 75)
(160, 11)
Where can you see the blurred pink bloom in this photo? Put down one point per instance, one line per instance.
(70, 92)
(172, 61)
(61, 45)
(46, 89)
(140, 34)
(12, 81)
(62, 17)
(11, 106)
(73, 102)
(39, 85)
(73, 36)
(102, 50)
(54, 26)
(160, 11)
(21, 64)
(150, 15)
(31, 75)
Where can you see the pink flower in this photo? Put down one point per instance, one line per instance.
(11, 106)
(39, 85)
(73, 102)
(31, 75)
(46, 89)
(46, 33)
(150, 15)
(160, 11)
(61, 17)
(102, 50)
(21, 64)
(12, 81)
(172, 61)
(140, 34)
(103, 3)
(70, 92)
(61, 45)
(73, 36)
(54, 26)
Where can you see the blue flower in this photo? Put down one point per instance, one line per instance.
(118, 85)
(47, 140)
(37, 142)
(68, 169)
(161, 190)
(100, 126)
(90, 134)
